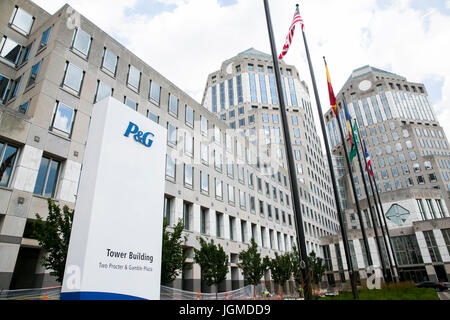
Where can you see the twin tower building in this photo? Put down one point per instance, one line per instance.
(226, 165)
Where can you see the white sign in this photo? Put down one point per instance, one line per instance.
(116, 239)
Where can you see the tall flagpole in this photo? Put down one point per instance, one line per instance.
(351, 271)
(291, 164)
(372, 214)
(358, 208)
(372, 187)
(397, 275)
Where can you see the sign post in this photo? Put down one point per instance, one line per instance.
(115, 245)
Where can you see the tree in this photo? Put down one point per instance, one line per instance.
(300, 274)
(53, 235)
(251, 264)
(280, 268)
(317, 267)
(173, 255)
(213, 262)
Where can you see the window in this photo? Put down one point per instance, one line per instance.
(44, 39)
(46, 181)
(81, 42)
(431, 208)
(173, 105)
(73, 78)
(25, 54)
(131, 103)
(63, 118)
(188, 175)
(134, 77)
(219, 190)
(155, 92)
(432, 246)
(170, 167)
(187, 213)
(204, 153)
(440, 208)
(23, 108)
(10, 50)
(231, 199)
(4, 88)
(171, 134)
(189, 116)
(204, 177)
(217, 160)
(13, 88)
(153, 117)
(110, 61)
(168, 202)
(34, 74)
(219, 225)
(21, 21)
(103, 91)
(203, 220)
(8, 155)
(203, 125)
(188, 144)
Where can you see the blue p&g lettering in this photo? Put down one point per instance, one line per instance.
(139, 136)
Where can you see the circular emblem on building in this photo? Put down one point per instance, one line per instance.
(365, 85)
(229, 68)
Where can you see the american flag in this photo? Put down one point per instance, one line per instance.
(297, 18)
(369, 161)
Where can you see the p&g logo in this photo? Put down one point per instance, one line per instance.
(143, 138)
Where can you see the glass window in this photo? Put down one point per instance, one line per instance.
(188, 175)
(204, 181)
(10, 50)
(153, 117)
(171, 134)
(73, 77)
(170, 167)
(46, 181)
(21, 20)
(131, 103)
(4, 85)
(8, 155)
(134, 77)
(25, 54)
(262, 84)
(63, 118)
(155, 92)
(253, 88)
(34, 74)
(110, 61)
(432, 246)
(188, 143)
(173, 105)
(203, 125)
(189, 116)
(45, 38)
(14, 88)
(219, 191)
(81, 42)
(103, 91)
(24, 107)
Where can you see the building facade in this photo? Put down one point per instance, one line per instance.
(54, 68)
(243, 94)
(411, 163)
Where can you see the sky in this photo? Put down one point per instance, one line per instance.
(185, 40)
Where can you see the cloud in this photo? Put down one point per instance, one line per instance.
(193, 38)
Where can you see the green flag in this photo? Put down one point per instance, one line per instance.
(354, 143)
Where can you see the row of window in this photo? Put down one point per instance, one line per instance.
(48, 173)
(406, 249)
(204, 185)
(263, 235)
